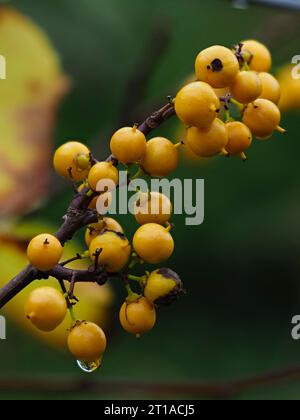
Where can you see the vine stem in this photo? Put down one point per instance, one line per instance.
(77, 217)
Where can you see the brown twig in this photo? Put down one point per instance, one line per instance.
(225, 390)
(77, 217)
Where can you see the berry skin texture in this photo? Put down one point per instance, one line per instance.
(217, 66)
(270, 87)
(102, 171)
(246, 87)
(197, 104)
(46, 308)
(128, 145)
(96, 229)
(137, 317)
(210, 142)
(115, 250)
(163, 286)
(161, 157)
(153, 243)
(263, 118)
(257, 55)
(87, 342)
(72, 155)
(240, 138)
(44, 252)
(153, 207)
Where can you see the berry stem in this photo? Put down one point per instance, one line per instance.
(139, 174)
(139, 279)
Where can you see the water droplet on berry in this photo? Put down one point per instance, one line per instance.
(89, 367)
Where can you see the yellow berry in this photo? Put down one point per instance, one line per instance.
(103, 171)
(209, 142)
(246, 87)
(46, 308)
(217, 66)
(257, 55)
(137, 317)
(239, 138)
(153, 207)
(196, 104)
(95, 229)
(71, 160)
(270, 87)
(161, 157)
(163, 286)
(262, 117)
(153, 243)
(87, 342)
(128, 145)
(44, 251)
(115, 250)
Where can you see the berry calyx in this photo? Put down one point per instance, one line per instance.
(87, 342)
(137, 317)
(197, 104)
(161, 157)
(95, 229)
(256, 55)
(209, 142)
(217, 66)
(239, 138)
(163, 286)
(102, 171)
(44, 252)
(115, 250)
(246, 87)
(46, 308)
(153, 207)
(263, 118)
(271, 89)
(153, 243)
(128, 145)
(72, 161)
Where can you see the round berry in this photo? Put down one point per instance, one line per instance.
(87, 342)
(153, 207)
(270, 87)
(128, 145)
(240, 138)
(153, 243)
(246, 87)
(72, 160)
(44, 251)
(257, 55)
(262, 117)
(163, 286)
(137, 317)
(217, 66)
(95, 229)
(197, 105)
(102, 171)
(46, 308)
(115, 250)
(161, 157)
(209, 142)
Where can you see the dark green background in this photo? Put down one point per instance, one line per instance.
(241, 267)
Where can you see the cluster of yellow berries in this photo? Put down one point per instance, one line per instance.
(239, 77)
(107, 244)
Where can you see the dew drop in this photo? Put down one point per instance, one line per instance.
(89, 367)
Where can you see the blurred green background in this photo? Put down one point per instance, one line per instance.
(241, 267)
